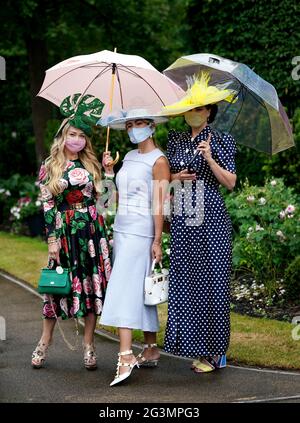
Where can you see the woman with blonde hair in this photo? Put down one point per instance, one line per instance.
(70, 186)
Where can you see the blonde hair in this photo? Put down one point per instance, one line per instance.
(56, 162)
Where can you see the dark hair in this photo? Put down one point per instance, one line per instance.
(213, 112)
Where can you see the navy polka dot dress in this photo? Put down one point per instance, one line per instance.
(200, 259)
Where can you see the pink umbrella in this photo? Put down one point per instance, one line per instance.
(121, 81)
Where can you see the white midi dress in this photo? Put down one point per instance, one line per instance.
(133, 237)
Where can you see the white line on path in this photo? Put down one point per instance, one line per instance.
(270, 399)
(115, 338)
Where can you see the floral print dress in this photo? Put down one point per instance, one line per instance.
(82, 238)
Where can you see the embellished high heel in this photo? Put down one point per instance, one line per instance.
(120, 377)
(89, 356)
(39, 355)
(217, 361)
(202, 366)
(143, 362)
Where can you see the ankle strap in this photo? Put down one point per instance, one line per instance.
(125, 353)
(149, 345)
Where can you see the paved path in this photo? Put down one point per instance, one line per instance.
(64, 379)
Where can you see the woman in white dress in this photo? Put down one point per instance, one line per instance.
(142, 183)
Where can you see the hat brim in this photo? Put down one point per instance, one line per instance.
(121, 122)
(178, 109)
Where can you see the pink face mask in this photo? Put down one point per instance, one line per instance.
(75, 145)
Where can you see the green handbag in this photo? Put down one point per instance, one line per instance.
(55, 281)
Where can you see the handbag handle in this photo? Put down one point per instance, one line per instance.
(154, 263)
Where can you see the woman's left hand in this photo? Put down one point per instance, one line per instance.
(106, 160)
(204, 147)
(156, 251)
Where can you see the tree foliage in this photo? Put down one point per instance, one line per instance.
(39, 34)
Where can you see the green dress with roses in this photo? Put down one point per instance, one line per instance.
(81, 235)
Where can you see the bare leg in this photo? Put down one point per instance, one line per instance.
(89, 352)
(89, 328)
(150, 353)
(125, 335)
(39, 354)
(48, 328)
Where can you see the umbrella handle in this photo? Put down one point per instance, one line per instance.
(112, 163)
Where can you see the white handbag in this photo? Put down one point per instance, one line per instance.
(156, 286)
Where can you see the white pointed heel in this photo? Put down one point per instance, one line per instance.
(119, 378)
(143, 362)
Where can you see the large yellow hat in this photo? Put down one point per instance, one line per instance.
(198, 94)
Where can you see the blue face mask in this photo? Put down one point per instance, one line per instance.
(138, 135)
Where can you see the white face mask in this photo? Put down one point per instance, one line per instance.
(138, 135)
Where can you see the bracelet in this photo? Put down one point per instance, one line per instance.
(157, 242)
(52, 242)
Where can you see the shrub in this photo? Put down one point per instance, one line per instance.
(28, 204)
(266, 231)
(292, 280)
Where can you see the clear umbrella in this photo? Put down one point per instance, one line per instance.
(256, 118)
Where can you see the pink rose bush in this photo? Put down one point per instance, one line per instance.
(266, 225)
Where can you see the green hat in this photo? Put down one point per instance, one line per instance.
(82, 114)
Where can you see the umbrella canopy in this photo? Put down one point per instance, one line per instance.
(137, 82)
(255, 117)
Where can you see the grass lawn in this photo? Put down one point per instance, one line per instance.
(254, 341)
(23, 256)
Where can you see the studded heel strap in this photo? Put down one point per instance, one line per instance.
(143, 362)
(39, 355)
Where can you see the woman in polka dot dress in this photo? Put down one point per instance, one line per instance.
(198, 323)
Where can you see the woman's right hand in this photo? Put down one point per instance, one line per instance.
(184, 175)
(106, 159)
(53, 251)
